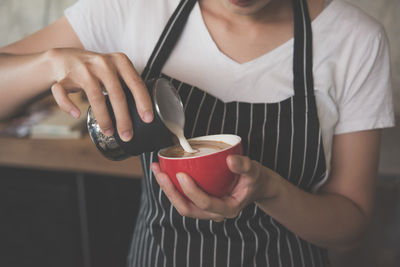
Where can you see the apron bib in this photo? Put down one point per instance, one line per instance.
(284, 136)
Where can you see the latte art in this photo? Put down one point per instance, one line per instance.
(202, 148)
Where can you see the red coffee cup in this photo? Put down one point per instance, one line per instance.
(210, 172)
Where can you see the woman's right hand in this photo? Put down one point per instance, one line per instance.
(75, 69)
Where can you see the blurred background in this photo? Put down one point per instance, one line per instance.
(61, 204)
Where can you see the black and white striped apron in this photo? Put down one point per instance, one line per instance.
(284, 136)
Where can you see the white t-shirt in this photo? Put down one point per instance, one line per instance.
(350, 59)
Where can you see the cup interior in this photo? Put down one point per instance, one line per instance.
(230, 139)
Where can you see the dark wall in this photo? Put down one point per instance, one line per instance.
(41, 218)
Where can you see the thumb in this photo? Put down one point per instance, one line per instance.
(241, 165)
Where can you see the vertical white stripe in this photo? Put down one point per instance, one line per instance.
(268, 240)
(175, 236)
(240, 214)
(255, 235)
(188, 242)
(306, 100)
(228, 256)
(241, 237)
(250, 129)
(165, 37)
(317, 160)
(255, 206)
(306, 112)
(290, 249)
(160, 223)
(155, 204)
(263, 133)
(201, 242)
(275, 166)
(141, 229)
(157, 255)
(237, 118)
(198, 113)
(144, 230)
(277, 136)
(300, 251)
(149, 206)
(146, 250)
(179, 87)
(311, 254)
(305, 49)
(215, 243)
(144, 165)
(291, 138)
(211, 115)
(188, 98)
(278, 242)
(223, 119)
(261, 161)
(150, 250)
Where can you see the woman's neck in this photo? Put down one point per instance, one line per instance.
(244, 37)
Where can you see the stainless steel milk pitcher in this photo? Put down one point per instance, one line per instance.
(147, 136)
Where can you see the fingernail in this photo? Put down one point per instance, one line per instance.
(180, 178)
(109, 132)
(148, 116)
(127, 135)
(74, 113)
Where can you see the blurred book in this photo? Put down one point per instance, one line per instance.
(21, 125)
(60, 125)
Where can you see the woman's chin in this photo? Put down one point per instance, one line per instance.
(245, 7)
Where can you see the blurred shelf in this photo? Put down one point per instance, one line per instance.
(64, 155)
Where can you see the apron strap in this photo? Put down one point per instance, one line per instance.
(302, 52)
(167, 40)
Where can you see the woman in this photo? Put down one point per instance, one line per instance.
(308, 102)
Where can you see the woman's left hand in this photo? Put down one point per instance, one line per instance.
(255, 183)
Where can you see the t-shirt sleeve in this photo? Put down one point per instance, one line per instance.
(366, 101)
(99, 24)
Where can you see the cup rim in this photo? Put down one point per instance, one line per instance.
(232, 139)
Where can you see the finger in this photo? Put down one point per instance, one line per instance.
(118, 102)
(61, 97)
(182, 205)
(242, 165)
(225, 207)
(135, 83)
(177, 200)
(97, 101)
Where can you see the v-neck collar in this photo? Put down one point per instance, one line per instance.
(271, 57)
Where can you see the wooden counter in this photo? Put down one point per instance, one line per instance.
(64, 155)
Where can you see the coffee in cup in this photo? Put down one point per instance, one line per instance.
(208, 168)
(202, 148)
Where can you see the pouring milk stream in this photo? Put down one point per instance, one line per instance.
(171, 111)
